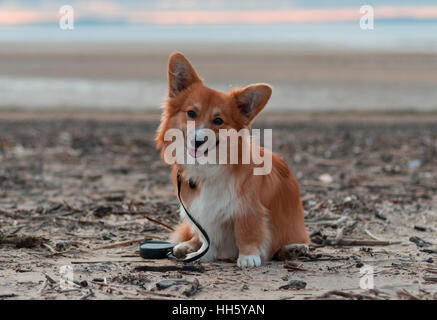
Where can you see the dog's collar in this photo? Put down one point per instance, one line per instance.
(191, 183)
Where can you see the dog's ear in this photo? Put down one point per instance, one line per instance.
(181, 74)
(252, 99)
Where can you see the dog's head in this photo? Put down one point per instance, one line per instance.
(189, 101)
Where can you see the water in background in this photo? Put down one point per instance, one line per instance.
(46, 92)
(392, 34)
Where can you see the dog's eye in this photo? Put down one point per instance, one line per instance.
(217, 121)
(192, 114)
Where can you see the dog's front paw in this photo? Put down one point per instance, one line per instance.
(182, 249)
(248, 261)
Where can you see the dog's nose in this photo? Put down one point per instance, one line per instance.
(198, 143)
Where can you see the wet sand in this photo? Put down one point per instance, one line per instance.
(133, 76)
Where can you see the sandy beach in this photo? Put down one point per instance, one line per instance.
(83, 189)
(133, 76)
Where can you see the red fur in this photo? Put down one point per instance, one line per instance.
(271, 214)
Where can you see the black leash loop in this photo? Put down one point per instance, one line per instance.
(205, 235)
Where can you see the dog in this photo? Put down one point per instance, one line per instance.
(249, 218)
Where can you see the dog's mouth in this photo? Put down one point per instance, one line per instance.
(199, 152)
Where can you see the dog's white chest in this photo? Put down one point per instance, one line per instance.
(213, 209)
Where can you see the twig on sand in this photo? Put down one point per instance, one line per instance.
(49, 279)
(294, 285)
(8, 214)
(353, 242)
(347, 295)
(343, 230)
(69, 206)
(420, 242)
(429, 251)
(144, 213)
(371, 235)
(319, 259)
(160, 222)
(106, 261)
(151, 219)
(328, 222)
(50, 248)
(113, 225)
(8, 295)
(89, 294)
(431, 270)
(83, 221)
(58, 215)
(405, 294)
(348, 228)
(121, 244)
(193, 289)
(162, 296)
(196, 268)
(430, 279)
(294, 266)
(43, 286)
(22, 241)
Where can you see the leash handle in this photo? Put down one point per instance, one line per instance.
(205, 235)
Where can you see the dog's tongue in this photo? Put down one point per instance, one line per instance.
(195, 153)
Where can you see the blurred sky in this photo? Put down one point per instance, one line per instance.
(13, 12)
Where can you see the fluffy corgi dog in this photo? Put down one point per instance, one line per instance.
(249, 217)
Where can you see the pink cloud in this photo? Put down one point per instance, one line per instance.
(411, 12)
(100, 9)
(11, 17)
(277, 16)
(190, 17)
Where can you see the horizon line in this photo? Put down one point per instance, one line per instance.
(103, 22)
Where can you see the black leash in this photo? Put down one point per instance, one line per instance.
(156, 249)
(205, 235)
